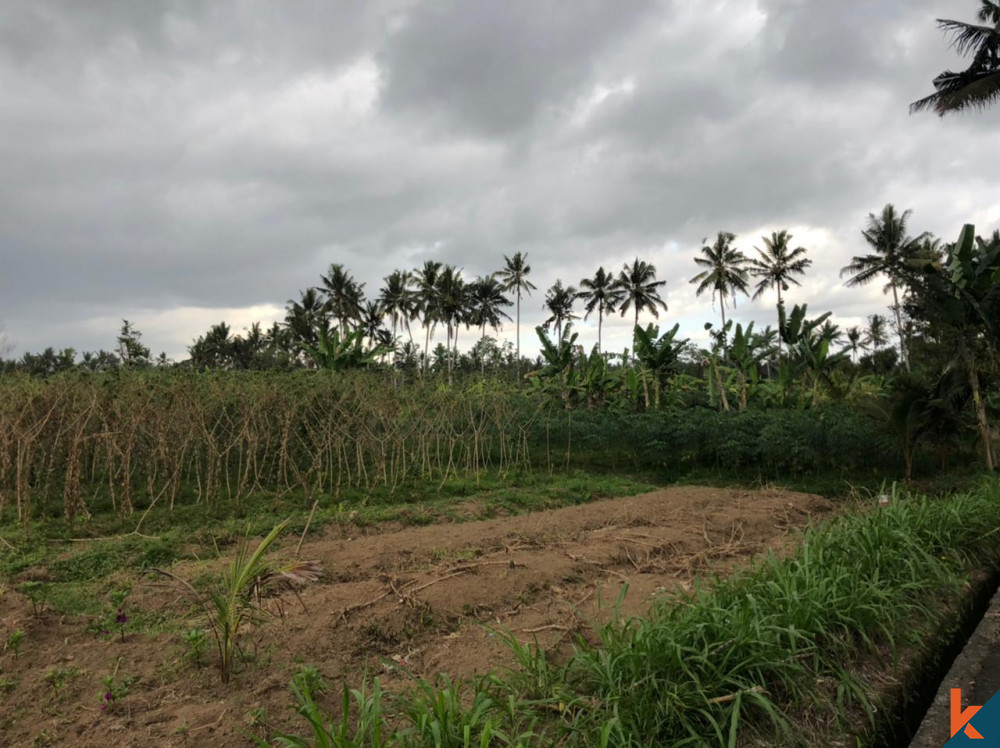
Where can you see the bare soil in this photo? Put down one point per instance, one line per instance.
(416, 600)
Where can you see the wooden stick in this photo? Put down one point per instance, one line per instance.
(298, 548)
(732, 697)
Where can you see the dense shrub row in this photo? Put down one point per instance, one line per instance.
(138, 438)
(828, 437)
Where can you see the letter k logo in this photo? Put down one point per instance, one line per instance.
(960, 718)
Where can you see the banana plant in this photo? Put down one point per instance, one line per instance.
(597, 380)
(711, 359)
(658, 356)
(335, 351)
(745, 354)
(963, 293)
(814, 352)
(558, 370)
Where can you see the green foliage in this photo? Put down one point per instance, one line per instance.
(58, 678)
(100, 558)
(337, 351)
(114, 688)
(13, 643)
(197, 643)
(37, 593)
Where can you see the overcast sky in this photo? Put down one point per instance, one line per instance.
(182, 163)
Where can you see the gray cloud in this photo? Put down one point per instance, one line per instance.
(179, 162)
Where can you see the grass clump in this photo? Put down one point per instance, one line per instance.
(773, 654)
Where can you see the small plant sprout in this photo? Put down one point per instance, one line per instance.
(118, 598)
(236, 599)
(14, 642)
(37, 593)
(113, 689)
(196, 642)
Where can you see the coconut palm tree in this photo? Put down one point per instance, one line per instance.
(398, 300)
(487, 303)
(452, 298)
(778, 265)
(515, 278)
(305, 316)
(602, 293)
(977, 86)
(345, 296)
(370, 320)
(725, 271)
(426, 281)
(893, 256)
(640, 290)
(875, 334)
(830, 332)
(559, 303)
(855, 342)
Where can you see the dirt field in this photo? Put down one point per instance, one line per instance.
(410, 599)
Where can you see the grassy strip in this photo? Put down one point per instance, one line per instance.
(79, 575)
(767, 656)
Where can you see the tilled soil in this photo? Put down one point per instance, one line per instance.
(417, 600)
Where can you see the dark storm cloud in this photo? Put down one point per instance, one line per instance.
(183, 162)
(493, 67)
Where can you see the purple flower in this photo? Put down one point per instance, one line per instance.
(104, 707)
(121, 618)
(107, 695)
(106, 632)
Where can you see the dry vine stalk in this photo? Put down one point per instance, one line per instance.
(154, 436)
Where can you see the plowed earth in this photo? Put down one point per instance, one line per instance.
(416, 600)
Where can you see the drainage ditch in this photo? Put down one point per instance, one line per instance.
(921, 686)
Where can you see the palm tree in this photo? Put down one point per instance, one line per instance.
(875, 334)
(725, 272)
(398, 300)
(451, 306)
(855, 341)
(559, 303)
(977, 86)
(830, 332)
(426, 279)
(778, 265)
(370, 320)
(487, 303)
(305, 316)
(639, 288)
(893, 256)
(515, 278)
(345, 296)
(602, 293)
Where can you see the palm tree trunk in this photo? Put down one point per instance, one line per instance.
(427, 344)
(635, 324)
(899, 327)
(519, 326)
(779, 320)
(977, 398)
(600, 321)
(448, 346)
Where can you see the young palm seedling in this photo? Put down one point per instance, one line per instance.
(235, 600)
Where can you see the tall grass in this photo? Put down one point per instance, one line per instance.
(775, 654)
